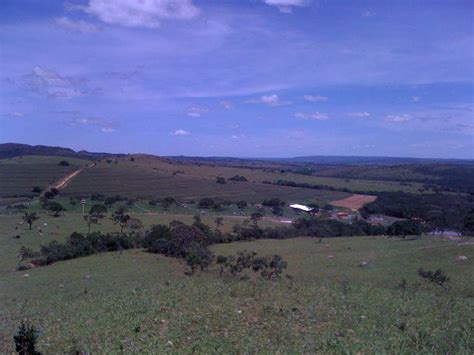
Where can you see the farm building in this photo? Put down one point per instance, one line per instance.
(303, 208)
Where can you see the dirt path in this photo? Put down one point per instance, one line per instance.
(354, 202)
(64, 181)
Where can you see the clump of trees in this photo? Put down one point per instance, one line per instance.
(404, 228)
(440, 211)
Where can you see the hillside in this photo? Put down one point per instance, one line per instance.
(10, 150)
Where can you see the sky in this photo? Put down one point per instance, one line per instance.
(246, 78)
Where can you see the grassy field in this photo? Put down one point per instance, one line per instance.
(139, 302)
(19, 175)
(152, 178)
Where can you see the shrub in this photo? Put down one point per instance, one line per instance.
(238, 178)
(198, 256)
(242, 204)
(220, 180)
(25, 340)
(206, 203)
(36, 189)
(273, 202)
(98, 208)
(64, 163)
(269, 267)
(437, 277)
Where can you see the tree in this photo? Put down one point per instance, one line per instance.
(98, 208)
(55, 207)
(218, 222)
(241, 204)
(135, 224)
(206, 203)
(255, 217)
(469, 222)
(25, 340)
(36, 189)
(404, 228)
(121, 218)
(92, 218)
(277, 211)
(167, 202)
(30, 218)
(64, 163)
(273, 202)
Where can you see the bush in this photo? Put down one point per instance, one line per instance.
(273, 202)
(64, 163)
(206, 203)
(269, 267)
(241, 204)
(36, 189)
(25, 340)
(198, 257)
(98, 208)
(437, 277)
(220, 180)
(238, 178)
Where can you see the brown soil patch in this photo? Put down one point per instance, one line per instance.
(354, 202)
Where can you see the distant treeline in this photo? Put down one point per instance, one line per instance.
(437, 177)
(441, 211)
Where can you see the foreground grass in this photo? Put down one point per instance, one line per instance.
(139, 302)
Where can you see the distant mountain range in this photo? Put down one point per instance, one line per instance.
(10, 150)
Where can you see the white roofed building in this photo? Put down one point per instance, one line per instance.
(303, 208)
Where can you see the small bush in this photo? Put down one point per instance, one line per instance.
(64, 163)
(437, 277)
(25, 340)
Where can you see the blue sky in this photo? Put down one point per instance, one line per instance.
(256, 78)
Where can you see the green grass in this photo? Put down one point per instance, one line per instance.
(136, 302)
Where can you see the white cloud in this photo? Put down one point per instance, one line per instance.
(270, 100)
(102, 124)
(234, 126)
(368, 13)
(238, 136)
(46, 82)
(315, 98)
(195, 111)
(227, 104)
(14, 114)
(398, 118)
(76, 25)
(180, 132)
(285, 6)
(312, 116)
(362, 114)
(415, 98)
(139, 13)
(107, 129)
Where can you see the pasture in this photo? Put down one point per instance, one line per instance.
(139, 302)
